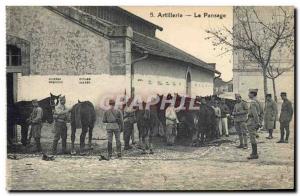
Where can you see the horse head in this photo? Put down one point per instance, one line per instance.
(48, 106)
(54, 100)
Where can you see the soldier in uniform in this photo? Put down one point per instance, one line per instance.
(285, 118)
(240, 115)
(253, 122)
(60, 126)
(113, 120)
(129, 120)
(270, 115)
(224, 114)
(35, 120)
(218, 127)
(171, 122)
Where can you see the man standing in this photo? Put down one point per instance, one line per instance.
(36, 124)
(240, 115)
(285, 118)
(218, 126)
(224, 114)
(113, 120)
(129, 120)
(60, 126)
(253, 122)
(270, 115)
(171, 122)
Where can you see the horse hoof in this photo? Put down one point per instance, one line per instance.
(73, 152)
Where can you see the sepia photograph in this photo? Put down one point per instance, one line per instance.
(150, 98)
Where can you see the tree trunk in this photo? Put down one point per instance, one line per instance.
(265, 81)
(274, 90)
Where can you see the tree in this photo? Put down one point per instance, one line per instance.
(273, 73)
(257, 36)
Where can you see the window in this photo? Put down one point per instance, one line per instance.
(13, 56)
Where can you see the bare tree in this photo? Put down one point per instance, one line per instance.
(257, 36)
(273, 73)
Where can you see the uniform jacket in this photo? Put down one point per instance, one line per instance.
(240, 111)
(224, 110)
(270, 115)
(129, 115)
(286, 113)
(113, 119)
(61, 113)
(171, 117)
(254, 111)
(36, 115)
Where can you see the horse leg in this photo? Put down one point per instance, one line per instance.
(82, 137)
(73, 128)
(24, 134)
(90, 137)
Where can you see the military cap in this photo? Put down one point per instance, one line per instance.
(283, 93)
(34, 101)
(268, 95)
(253, 90)
(237, 95)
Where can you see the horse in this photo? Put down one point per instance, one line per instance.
(146, 118)
(83, 116)
(19, 112)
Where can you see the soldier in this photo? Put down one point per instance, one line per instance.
(224, 114)
(113, 120)
(240, 115)
(171, 122)
(270, 115)
(60, 126)
(129, 120)
(253, 122)
(35, 120)
(285, 118)
(218, 131)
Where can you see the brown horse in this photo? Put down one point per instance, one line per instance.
(83, 116)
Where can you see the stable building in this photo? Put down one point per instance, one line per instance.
(86, 53)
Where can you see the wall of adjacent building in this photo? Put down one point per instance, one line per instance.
(156, 75)
(247, 74)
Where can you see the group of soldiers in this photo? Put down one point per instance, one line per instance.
(250, 119)
(61, 117)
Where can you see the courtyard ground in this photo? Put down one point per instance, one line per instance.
(218, 166)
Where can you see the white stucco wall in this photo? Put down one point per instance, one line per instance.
(163, 76)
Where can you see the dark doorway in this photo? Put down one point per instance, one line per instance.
(10, 100)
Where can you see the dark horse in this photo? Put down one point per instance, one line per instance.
(19, 112)
(83, 116)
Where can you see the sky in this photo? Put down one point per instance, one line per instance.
(188, 32)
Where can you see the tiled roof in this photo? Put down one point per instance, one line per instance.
(158, 47)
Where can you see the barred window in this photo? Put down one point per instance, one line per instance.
(13, 55)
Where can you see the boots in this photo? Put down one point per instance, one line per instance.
(254, 154)
(54, 147)
(109, 150)
(281, 136)
(64, 146)
(38, 145)
(287, 136)
(270, 134)
(245, 141)
(119, 152)
(241, 142)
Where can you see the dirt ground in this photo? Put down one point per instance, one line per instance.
(218, 166)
